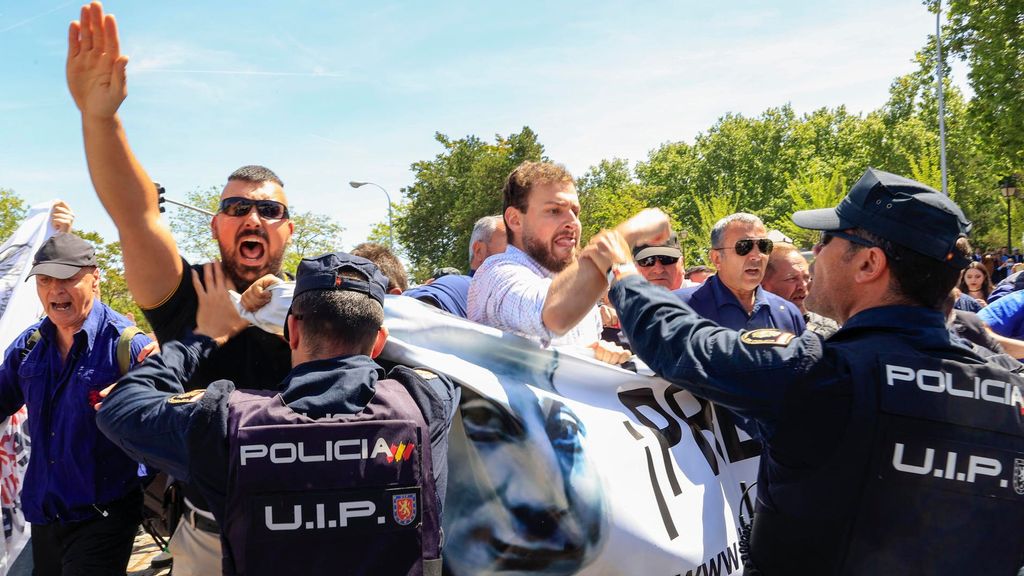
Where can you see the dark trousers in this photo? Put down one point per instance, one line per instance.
(100, 546)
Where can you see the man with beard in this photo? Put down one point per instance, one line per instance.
(536, 288)
(733, 297)
(251, 227)
(789, 276)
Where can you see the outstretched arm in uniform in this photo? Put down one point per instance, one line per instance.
(148, 414)
(96, 74)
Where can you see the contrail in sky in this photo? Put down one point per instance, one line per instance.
(36, 17)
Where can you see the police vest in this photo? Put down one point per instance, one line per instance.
(344, 494)
(928, 477)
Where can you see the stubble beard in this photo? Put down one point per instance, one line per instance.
(544, 255)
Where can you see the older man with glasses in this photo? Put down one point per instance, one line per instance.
(734, 297)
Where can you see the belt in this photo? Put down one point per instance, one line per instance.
(200, 519)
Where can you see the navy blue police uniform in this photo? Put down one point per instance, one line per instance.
(345, 468)
(888, 448)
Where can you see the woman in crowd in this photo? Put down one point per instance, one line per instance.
(975, 282)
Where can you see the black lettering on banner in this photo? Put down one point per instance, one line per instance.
(736, 449)
(720, 564)
(659, 498)
(703, 419)
(667, 437)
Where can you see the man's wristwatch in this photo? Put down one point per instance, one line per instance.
(619, 269)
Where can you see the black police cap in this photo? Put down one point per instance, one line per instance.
(325, 273)
(899, 210)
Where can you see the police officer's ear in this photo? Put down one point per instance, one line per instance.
(871, 265)
(293, 332)
(378, 344)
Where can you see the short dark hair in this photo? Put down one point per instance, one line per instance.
(333, 319)
(916, 278)
(257, 174)
(516, 192)
(386, 261)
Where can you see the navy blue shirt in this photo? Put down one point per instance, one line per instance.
(188, 437)
(73, 469)
(714, 301)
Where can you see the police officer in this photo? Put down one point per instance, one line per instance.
(888, 448)
(343, 472)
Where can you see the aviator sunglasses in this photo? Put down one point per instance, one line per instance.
(267, 209)
(663, 260)
(744, 246)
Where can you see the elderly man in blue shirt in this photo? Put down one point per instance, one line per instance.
(734, 297)
(82, 494)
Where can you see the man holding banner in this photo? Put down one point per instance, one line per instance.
(81, 493)
(889, 449)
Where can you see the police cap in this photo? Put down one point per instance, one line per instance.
(899, 210)
(325, 273)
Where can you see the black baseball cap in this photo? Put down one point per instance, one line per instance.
(62, 256)
(668, 248)
(325, 273)
(899, 210)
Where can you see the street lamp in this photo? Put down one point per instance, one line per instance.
(391, 226)
(1008, 187)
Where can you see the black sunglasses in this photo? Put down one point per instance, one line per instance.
(827, 236)
(267, 209)
(649, 261)
(744, 246)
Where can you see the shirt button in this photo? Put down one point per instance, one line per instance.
(52, 462)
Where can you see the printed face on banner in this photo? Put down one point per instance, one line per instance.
(522, 496)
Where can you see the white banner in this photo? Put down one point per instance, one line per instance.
(560, 464)
(19, 309)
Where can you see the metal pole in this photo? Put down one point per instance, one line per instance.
(391, 224)
(942, 112)
(190, 207)
(1009, 229)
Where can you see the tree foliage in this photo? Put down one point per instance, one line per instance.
(990, 37)
(113, 288)
(12, 211)
(453, 190)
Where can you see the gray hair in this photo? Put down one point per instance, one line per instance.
(483, 230)
(718, 231)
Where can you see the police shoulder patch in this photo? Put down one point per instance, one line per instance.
(186, 397)
(425, 374)
(766, 337)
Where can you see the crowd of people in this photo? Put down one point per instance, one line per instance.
(859, 373)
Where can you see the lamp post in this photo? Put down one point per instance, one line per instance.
(1008, 187)
(391, 227)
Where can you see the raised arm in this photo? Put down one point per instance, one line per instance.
(97, 81)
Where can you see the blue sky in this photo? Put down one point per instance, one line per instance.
(328, 92)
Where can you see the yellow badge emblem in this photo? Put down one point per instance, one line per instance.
(425, 374)
(766, 337)
(186, 397)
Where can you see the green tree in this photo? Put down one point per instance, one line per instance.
(113, 288)
(12, 212)
(453, 190)
(990, 37)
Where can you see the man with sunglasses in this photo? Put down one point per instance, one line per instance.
(890, 448)
(662, 264)
(252, 228)
(733, 297)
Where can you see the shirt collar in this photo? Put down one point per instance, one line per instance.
(725, 296)
(345, 383)
(520, 256)
(903, 317)
(90, 328)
